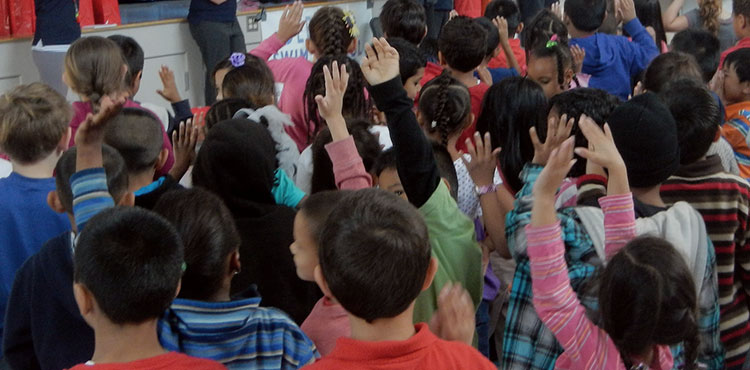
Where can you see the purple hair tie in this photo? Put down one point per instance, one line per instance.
(237, 59)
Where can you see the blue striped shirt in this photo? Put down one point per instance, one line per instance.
(90, 194)
(239, 334)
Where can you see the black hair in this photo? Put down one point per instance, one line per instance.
(563, 58)
(669, 67)
(741, 7)
(330, 32)
(386, 160)
(137, 135)
(367, 145)
(541, 28)
(462, 43)
(446, 168)
(595, 103)
(133, 54)
(429, 49)
(252, 81)
(130, 259)
(697, 115)
(509, 109)
(493, 39)
(586, 15)
(740, 61)
(646, 297)
(703, 46)
(506, 9)
(405, 19)
(318, 206)
(373, 233)
(114, 167)
(649, 14)
(410, 59)
(357, 104)
(444, 106)
(225, 109)
(207, 230)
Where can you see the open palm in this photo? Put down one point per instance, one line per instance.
(381, 62)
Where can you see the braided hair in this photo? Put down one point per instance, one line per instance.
(444, 105)
(709, 12)
(563, 57)
(356, 103)
(330, 32)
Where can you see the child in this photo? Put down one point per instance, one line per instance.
(612, 61)
(331, 32)
(404, 19)
(43, 326)
(94, 68)
(497, 42)
(741, 23)
(507, 10)
(647, 296)
(237, 162)
(734, 90)
(204, 321)
(411, 65)
(116, 252)
(702, 182)
(703, 46)
(668, 67)
(135, 133)
(551, 65)
(33, 133)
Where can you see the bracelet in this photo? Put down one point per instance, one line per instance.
(486, 189)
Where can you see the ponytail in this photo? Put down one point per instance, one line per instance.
(94, 66)
(332, 31)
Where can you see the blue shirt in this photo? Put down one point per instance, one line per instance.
(26, 223)
(205, 10)
(239, 334)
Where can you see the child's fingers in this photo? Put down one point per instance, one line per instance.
(344, 78)
(534, 138)
(327, 78)
(479, 145)
(470, 149)
(379, 49)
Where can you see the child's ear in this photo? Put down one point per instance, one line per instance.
(53, 201)
(431, 270)
(127, 200)
(84, 299)
(235, 266)
(567, 78)
(310, 46)
(745, 88)
(352, 46)
(162, 159)
(519, 29)
(321, 281)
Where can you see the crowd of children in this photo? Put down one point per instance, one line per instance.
(515, 191)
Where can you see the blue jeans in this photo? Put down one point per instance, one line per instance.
(483, 327)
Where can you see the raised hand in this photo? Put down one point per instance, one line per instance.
(557, 132)
(579, 54)
(91, 131)
(291, 22)
(557, 9)
(484, 75)
(483, 160)
(169, 90)
(502, 29)
(603, 152)
(626, 10)
(559, 164)
(184, 140)
(380, 63)
(330, 106)
(454, 319)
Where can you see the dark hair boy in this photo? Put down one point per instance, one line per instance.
(404, 19)
(509, 10)
(703, 46)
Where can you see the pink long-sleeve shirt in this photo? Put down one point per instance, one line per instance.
(586, 345)
(293, 74)
(348, 169)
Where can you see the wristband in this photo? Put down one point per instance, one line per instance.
(486, 189)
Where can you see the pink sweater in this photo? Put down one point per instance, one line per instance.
(348, 169)
(293, 74)
(327, 322)
(586, 345)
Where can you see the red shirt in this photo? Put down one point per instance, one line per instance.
(422, 351)
(744, 43)
(469, 8)
(520, 54)
(171, 360)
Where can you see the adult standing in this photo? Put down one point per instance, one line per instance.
(214, 27)
(436, 13)
(56, 28)
(707, 16)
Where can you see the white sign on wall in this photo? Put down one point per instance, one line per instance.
(295, 47)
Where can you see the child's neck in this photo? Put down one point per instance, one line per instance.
(138, 181)
(578, 34)
(466, 78)
(650, 196)
(397, 328)
(125, 343)
(41, 169)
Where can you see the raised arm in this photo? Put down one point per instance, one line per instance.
(290, 25)
(642, 48)
(502, 28)
(415, 160)
(671, 18)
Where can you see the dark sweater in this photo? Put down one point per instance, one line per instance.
(147, 196)
(42, 307)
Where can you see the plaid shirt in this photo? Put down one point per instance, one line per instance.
(527, 343)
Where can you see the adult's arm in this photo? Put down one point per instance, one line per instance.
(671, 18)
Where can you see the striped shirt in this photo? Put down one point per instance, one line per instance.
(90, 194)
(586, 345)
(724, 201)
(239, 334)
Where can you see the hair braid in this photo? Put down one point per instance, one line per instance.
(709, 12)
(559, 56)
(329, 32)
(440, 118)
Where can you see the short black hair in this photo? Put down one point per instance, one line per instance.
(225, 109)
(586, 15)
(133, 54)
(506, 9)
(462, 43)
(130, 259)
(697, 115)
(595, 103)
(740, 61)
(741, 7)
(703, 46)
(493, 39)
(209, 234)
(446, 168)
(317, 207)
(410, 59)
(429, 49)
(405, 19)
(386, 160)
(374, 233)
(114, 167)
(367, 145)
(669, 67)
(137, 135)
